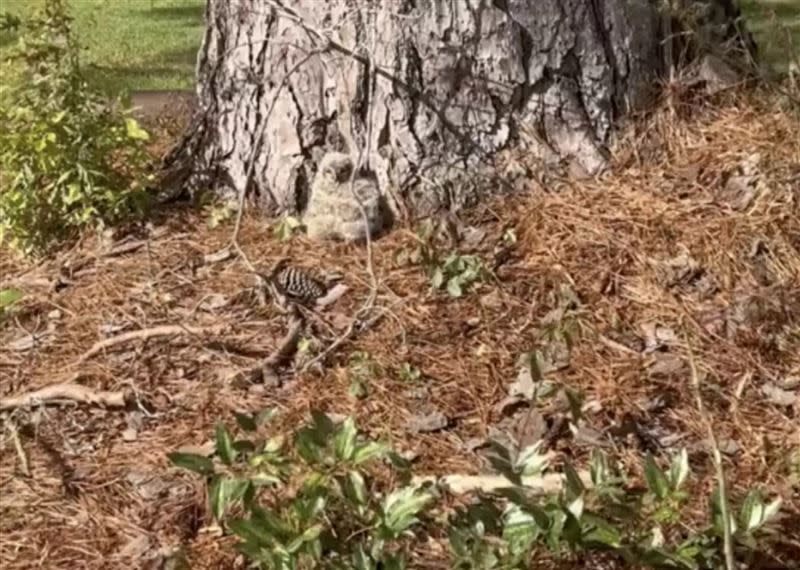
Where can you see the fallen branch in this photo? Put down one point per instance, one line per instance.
(142, 334)
(58, 393)
(461, 484)
(267, 369)
(24, 467)
(287, 345)
(123, 248)
(614, 345)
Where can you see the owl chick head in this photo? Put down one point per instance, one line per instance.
(336, 166)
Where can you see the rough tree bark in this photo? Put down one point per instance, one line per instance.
(428, 90)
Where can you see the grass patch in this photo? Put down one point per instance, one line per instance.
(776, 26)
(135, 44)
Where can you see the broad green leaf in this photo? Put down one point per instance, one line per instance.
(454, 287)
(437, 279)
(519, 528)
(134, 131)
(355, 488)
(500, 458)
(401, 507)
(244, 446)
(322, 426)
(357, 389)
(224, 445)
(265, 479)
(249, 530)
(530, 462)
(771, 510)
(192, 462)
(274, 444)
(362, 560)
(575, 399)
(285, 227)
(575, 507)
(656, 481)
(246, 422)
(266, 415)
(598, 468)
(600, 531)
(224, 492)
(269, 522)
(368, 451)
(572, 528)
(345, 441)
(8, 297)
(393, 562)
(307, 447)
(307, 508)
(574, 485)
(309, 535)
(752, 510)
(679, 469)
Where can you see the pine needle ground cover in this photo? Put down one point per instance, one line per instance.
(686, 252)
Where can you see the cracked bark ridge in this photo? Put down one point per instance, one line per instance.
(452, 83)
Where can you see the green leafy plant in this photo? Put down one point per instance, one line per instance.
(509, 236)
(310, 499)
(285, 228)
(8, 297)
(458, 273)
(361, 370)
(408, 372)
(69, 157)
(455, 273)
(219, 214)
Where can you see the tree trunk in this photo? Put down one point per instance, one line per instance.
(425, 92)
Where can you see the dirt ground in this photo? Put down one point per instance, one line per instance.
(690, 244)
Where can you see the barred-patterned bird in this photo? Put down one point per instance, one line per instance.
(294, 284)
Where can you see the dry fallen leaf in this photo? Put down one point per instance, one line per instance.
(427, 422)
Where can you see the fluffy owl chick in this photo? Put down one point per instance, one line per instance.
(333, 207)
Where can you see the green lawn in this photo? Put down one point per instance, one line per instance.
(152, 44)
(133, 44)
(776, 26)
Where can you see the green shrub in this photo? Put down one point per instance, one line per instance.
(69, 157)
(310, 500)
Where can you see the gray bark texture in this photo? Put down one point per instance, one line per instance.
(426, 93)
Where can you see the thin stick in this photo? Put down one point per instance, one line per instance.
(65, 392)
(723, 488)
(23, 458)
(142, 334)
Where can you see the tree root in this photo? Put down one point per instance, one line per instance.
(144, 334)
(67, 392)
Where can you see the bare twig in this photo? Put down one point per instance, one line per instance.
(23, 458)
(614, 345)
(143, 334)
(349, 332)
(123, 248)
(724, 507)
(65, 392)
